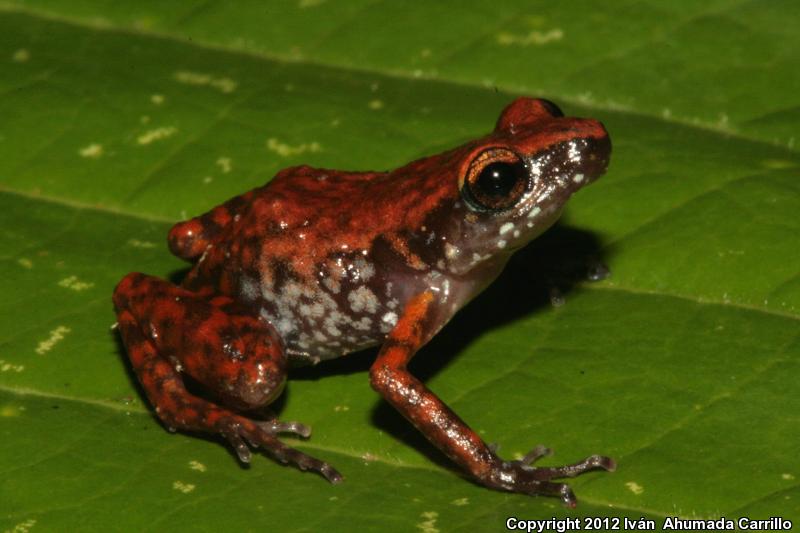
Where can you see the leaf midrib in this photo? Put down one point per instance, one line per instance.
(608, 286)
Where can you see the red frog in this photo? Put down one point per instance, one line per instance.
(319, 263)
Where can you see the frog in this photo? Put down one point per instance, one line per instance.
(320, 263)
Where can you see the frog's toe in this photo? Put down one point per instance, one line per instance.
(295, 428)
(593, 462)
(239, 446)
(535, 454)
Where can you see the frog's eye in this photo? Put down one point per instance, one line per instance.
(496, 180)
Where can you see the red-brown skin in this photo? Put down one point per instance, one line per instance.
(319, 263)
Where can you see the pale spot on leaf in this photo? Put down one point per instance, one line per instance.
(224, 164)
(428, 525)
(185, 488)
(5, 366)
(197, 465)
(157, 99)
(634, 487)
(21, 56)
(287, 150)
(74, 284)
(23, 527)
(534, 37)
(136, 243)
(55, 337)
(224, 85)
(375, 104)
(25, 262)
(156, 135)
(92, 151)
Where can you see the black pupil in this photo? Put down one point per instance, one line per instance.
(497, 180)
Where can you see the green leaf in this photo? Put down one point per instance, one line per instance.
(119, 119)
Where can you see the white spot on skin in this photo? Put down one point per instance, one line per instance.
(505, 228)
(73, 283)
(157, 99)
(390, 318)
(501, 244)
(224, 85)
(55, 336)
(577, 178)
(362, 299)
(21, 56)
(284, 326)
(156, 135)
(185, 488)
(317, 310)
(92, 151)
(197, 465)
(287, 150)
(535, 211)
(634, 487)
(249, 288)
(363, 325)
(364, 269)
(451, 251)
(516, 233)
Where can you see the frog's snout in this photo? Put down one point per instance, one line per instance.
(597, 155)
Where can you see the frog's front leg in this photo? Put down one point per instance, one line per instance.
(168, 330)
(446, 430)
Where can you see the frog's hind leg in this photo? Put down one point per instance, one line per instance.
(168, 330)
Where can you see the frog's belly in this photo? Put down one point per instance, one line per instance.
(318, 323)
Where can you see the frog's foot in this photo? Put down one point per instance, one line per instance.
(238, 429)
(520, 476)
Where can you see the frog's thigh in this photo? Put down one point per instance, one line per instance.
(233, 354)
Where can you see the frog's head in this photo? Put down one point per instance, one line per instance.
(515, 182)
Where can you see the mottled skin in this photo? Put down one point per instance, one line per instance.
(319, 263)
